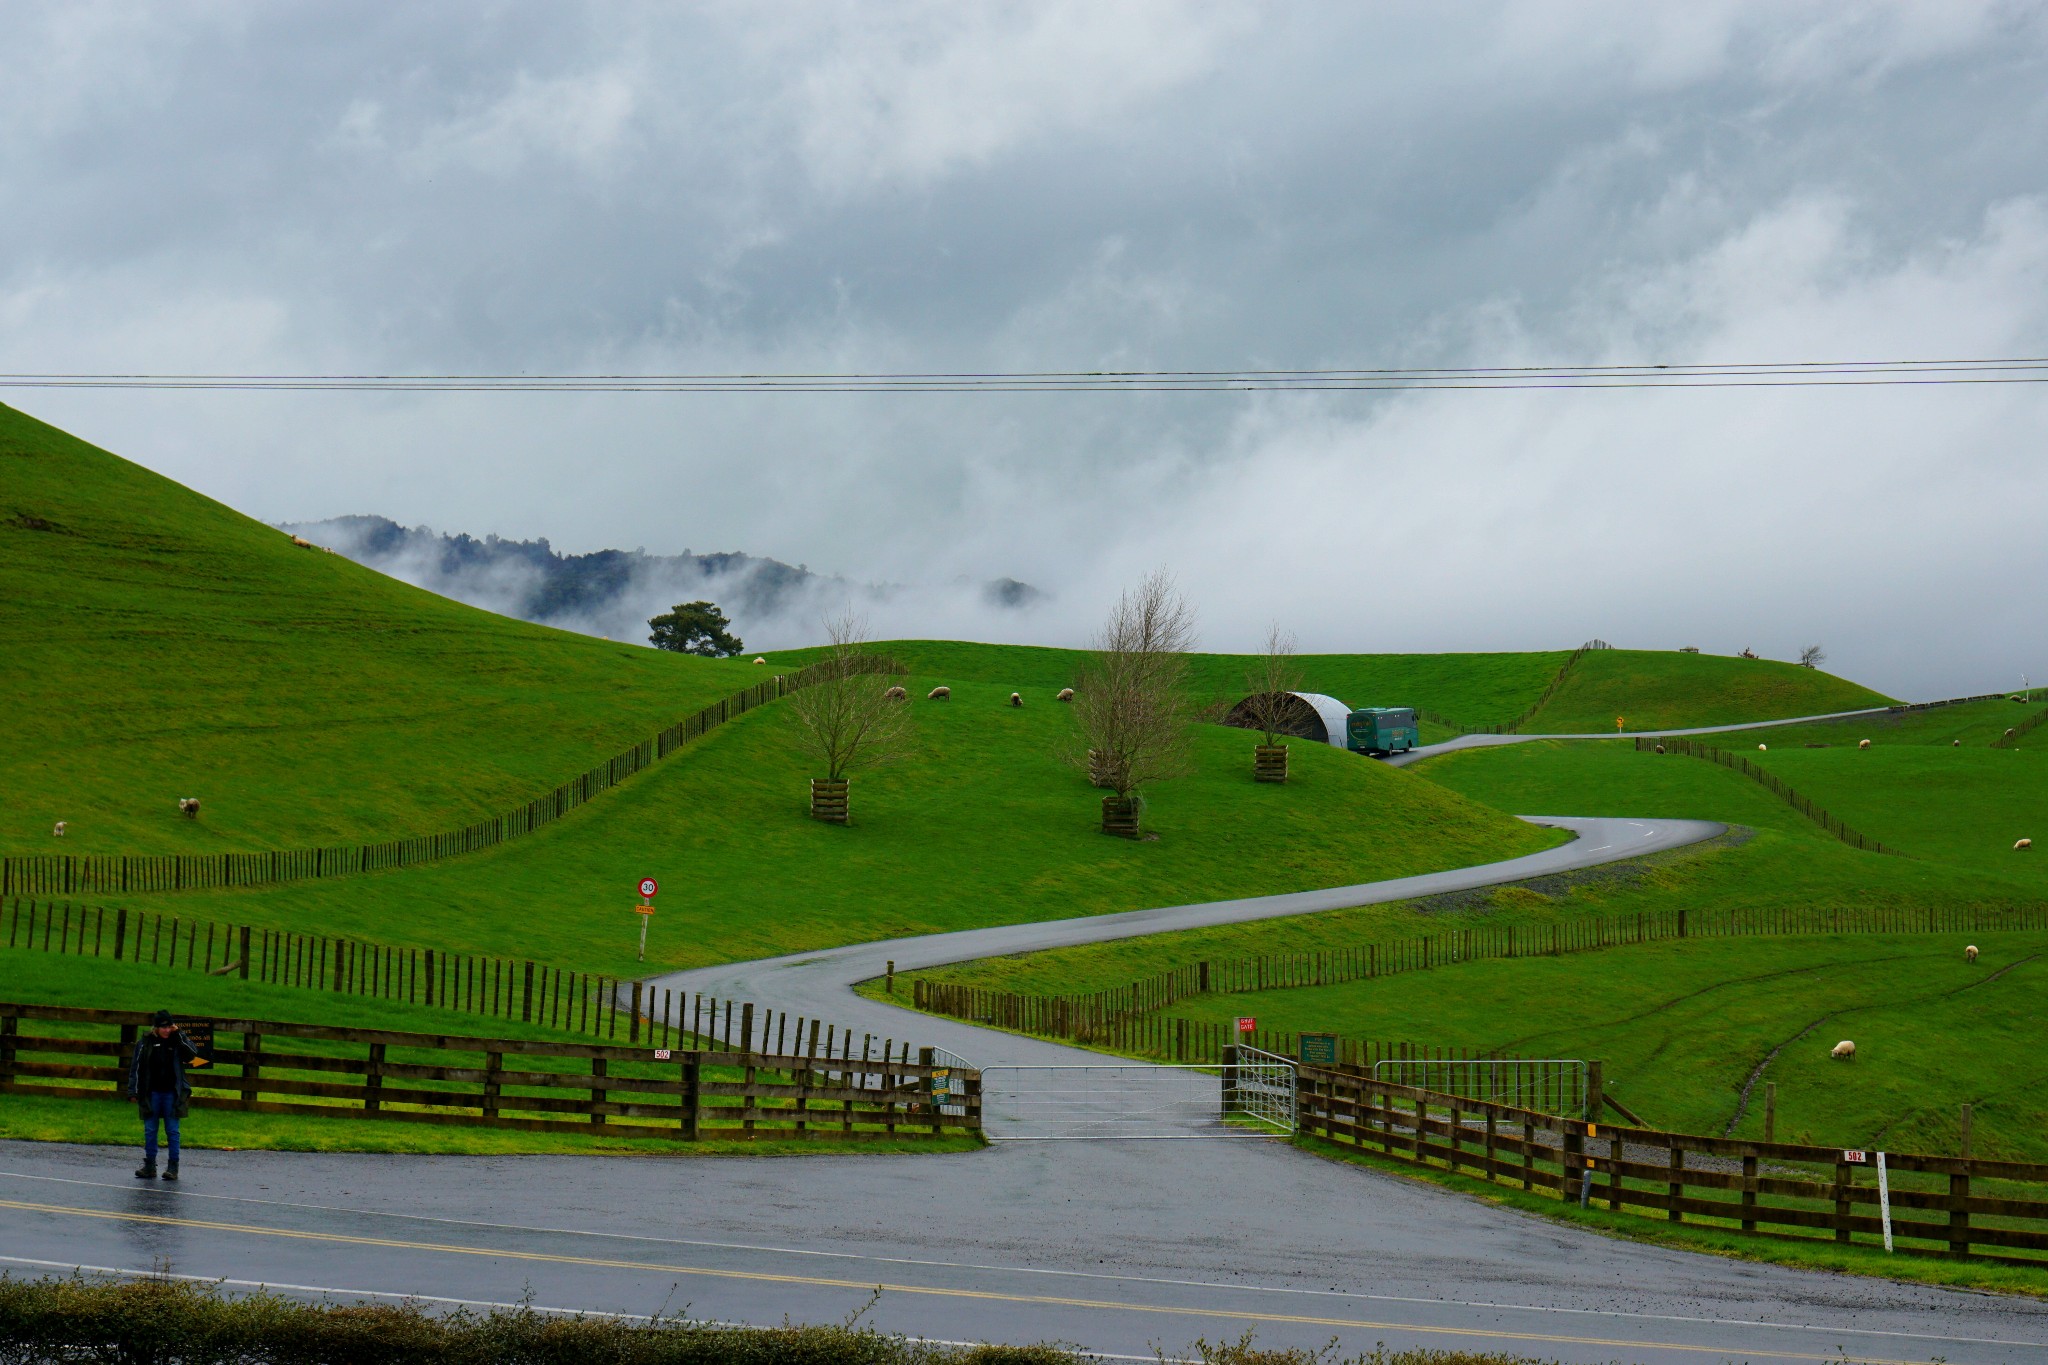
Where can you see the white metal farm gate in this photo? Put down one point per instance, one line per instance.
(1251, 1098)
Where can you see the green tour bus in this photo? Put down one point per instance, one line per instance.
(1381, 730)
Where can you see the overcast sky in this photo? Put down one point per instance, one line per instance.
(553, 187)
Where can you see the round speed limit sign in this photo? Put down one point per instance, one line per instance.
(648, 886)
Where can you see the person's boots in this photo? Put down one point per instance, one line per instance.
(171, 1171)
(146, 1171)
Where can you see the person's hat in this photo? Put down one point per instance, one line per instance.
(163, 1020)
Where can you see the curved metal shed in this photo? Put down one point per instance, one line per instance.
(1310, 715)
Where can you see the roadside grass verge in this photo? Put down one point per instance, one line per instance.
(1657, 690)
(983, 824)
(155, 644)
(1811, 1254)
(46, 979)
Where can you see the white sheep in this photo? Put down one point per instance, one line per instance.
(1066, 694)
(759, 660)
(59, 830)
(1844, 1051)
(1016, 699)
(302, 542)
(2022, 845)
(1970, 953)
(1955, 744)
(1863, 744)
(896, 694)
(939, 694)
(188, 806)
(1660, 748)
(1763, 748)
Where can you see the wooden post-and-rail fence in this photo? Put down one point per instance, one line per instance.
(801, 1091)
(589, 1004)
(96, 874)
(1951, 1206)
(1131, 1018)
(1766, 779)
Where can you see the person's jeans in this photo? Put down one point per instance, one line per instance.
(162, 1105)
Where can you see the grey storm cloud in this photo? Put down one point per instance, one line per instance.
(528, 188)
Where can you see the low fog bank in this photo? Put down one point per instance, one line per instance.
(612, 593)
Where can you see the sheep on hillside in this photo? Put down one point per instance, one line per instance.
(1844, 1051)
(1763, 748)
(759, 660)
(59, 830)
(2023, 844)
(896, 694)
(939, 694)
(1970, 953)
(1016, 699)
(1863, 744)
(1660, 748)
(1066, 694)
(302, 542)
(1955, 744)
(2010, 731)
(188, 806)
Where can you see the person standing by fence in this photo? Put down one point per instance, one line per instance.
(156, 1082)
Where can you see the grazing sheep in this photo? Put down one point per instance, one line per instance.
(1863, 744)
(2022, 845)
(1016, 699)
(1970, 953)
(939, 694)
(59, 830)
(302, 542)
(1955, 744)
(1066, 694)
(1660, 748)
(188, 806)
(759, 660)
(2010, 732)
(896, 694)
(1844, 1051)
(1763, 748)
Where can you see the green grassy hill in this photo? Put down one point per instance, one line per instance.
(1475, 689)
(983, 824)
(1658, 690)
(155, 644)
(1683, 1026)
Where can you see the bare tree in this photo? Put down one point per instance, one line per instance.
(848, 713)
(1131, 700)
(1270, 683)
(1812, 657)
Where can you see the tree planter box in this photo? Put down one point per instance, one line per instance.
(1096, 775)
(1120, 817)
(1269, 762)
(829, 799)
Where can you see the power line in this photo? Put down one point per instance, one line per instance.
(1769, 374)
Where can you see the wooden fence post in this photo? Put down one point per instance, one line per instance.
(690, 1095)
(252, 1067)
(373, 1079)
(120, 928)
(599, 1069)
(8, 1024)
(245, 936)
(1959, 1192)
(494, 1062)
(526, 997)
(633, 1028)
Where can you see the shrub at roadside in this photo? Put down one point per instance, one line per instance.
(158, 1321)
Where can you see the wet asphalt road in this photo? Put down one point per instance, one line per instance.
(1126, 1247)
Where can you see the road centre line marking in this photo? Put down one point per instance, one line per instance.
(930, 1291)
(1037, 1270)
(489, 1303)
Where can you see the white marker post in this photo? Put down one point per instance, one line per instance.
(645, 909)
(1884, 1201)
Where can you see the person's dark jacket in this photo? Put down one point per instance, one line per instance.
(178, 1050)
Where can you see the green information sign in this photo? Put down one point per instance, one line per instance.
(1318, 1049)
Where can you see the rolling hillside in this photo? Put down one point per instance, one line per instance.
(155, 644)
